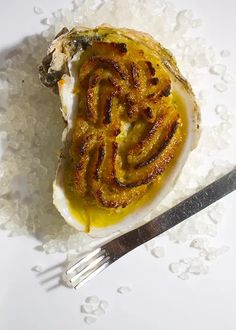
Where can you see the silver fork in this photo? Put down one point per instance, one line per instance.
(93, 263)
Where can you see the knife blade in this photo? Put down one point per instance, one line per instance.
(172, 217)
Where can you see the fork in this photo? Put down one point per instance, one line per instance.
(94, 262)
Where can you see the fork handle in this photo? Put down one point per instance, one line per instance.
(190, 206)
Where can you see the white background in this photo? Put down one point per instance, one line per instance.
(158, 299)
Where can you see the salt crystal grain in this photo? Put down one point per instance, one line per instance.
(221, 110)
(89, 319)
(225, 53)
(87, 309)
(92, 300)
(185, 261)
(38, 10)
(196, 23)
(39, 268)
(199, 243)
(220, 87)
(215, 215)
(158, 252)
(98, 312)
(103, 304)
(218, 69)
(176, 267)
(228, 78)
(184, 276)
(123, 289)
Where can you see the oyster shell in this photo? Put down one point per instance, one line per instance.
(131, 122)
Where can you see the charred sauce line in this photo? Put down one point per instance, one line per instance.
(165, 143)
(107, 110)
(147, 138)
(101, 155)
(89, 97)
(115, 65)
(135, 75)
(84, 145)
(151, 68)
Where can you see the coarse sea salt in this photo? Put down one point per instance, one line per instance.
(38, 10)
(123, 289)
(28, 161)
(220, 87)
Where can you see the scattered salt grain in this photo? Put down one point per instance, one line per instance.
(185, 261)
(220, 87)
(217, 69)
(228, 78)
(183, 276)
(89, 319)
(225, 53)
(158, 252)
(92, 300)
(98, 312)
(196, 23)
(38, 10)
(123, 289)
(103, 304)
(87, 309)
(176, 267)
(199, 243)
(39, 268)
(221, 110)
(216, 214)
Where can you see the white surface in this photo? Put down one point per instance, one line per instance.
(158, 299)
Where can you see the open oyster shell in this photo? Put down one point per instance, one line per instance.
(131, 122)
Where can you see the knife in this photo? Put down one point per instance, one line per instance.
(94, 262)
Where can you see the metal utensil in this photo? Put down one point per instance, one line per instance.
(96, 261)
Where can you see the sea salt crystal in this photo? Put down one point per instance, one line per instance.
(199, 243)
(89, 319)
(98, 312)
(215, 215)
(228, 78)
(38, 10)
(123, 289)
(39, 268)
(220, 87)
(183, 276)
(197, 267)
(103, 304)
(225, 53)
(218, 69)
(158, 252)
(176, 267)
(221, 110)
(196, 23)
(92, 300)
(185, 261)
(87, 309)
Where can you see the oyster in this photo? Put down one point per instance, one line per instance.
(131, 121)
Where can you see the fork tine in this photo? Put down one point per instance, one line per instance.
(92, 274)
(90, 255)
(87, 268)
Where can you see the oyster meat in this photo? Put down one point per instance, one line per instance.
(131, 121)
